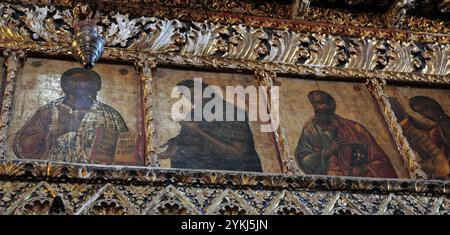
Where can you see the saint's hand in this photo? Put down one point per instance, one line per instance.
(75, 120)
(359, 171)
(170, 151)
(336, 146)
(59, 130)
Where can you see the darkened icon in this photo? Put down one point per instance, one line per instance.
(430, 142)
(68, 129)
(212, 145)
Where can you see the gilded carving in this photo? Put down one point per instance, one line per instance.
(159, 36)
(321, 50)
(241, 42)
(373, 20)
(206, 39)
(86, 196)
(145, 67)
(13, 63)
(376, 87)
(397, 12)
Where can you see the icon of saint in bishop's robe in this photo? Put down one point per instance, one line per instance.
(64, 129)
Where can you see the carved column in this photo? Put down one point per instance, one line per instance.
(145, 66)
(13, 62)
(265, 78)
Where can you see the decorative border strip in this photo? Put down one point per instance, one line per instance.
(80, 198)
(13, 63)
(19, 28)
(237, 12)
(60, 172)
(224, 63)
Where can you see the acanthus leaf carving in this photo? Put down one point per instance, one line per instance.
(247, 43)
(435, 59)
(383, 51)
(120, 32)
(206, 39)
(288, 47)
(160, 36)
(327, 50)
(399, 57)
(367, 53)
(41, 21)
(8, 27)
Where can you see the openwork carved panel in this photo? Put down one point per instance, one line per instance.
(150, 193)
(379, 52)
(409, 14)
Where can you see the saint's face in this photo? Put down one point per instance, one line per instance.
(81, 89)
(427, 111)
(321, 106)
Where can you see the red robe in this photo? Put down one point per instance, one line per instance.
(379, 165)
(314, 142)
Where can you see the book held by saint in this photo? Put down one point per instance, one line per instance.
(111, 146)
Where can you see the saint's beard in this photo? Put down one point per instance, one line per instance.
(325, 117)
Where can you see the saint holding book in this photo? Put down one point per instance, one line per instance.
(332, 145)
(66, 129)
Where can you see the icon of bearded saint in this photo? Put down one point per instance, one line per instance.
(64, 129)
(332, 145)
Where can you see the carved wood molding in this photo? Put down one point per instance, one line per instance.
(63, 172)
(200, 10)
(13, 63)
(49, 30)
(144, 67)
(48, 188)
(45, 197)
